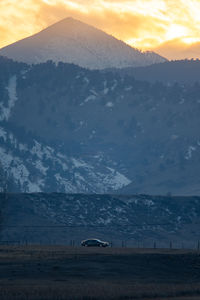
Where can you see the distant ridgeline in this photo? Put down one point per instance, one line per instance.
(185, 71)
(68, 129)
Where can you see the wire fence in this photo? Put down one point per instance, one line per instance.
(193, 245)
(116, 235)
(120, 244)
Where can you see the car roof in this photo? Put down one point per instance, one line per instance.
(92, 240)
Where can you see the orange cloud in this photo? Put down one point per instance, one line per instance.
(18, 20)
(177, 49)
(145, 24)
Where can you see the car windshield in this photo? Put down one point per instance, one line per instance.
(92, 241)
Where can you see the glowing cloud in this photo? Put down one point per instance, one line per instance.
(145, 24)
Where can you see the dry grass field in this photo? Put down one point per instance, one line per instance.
(58, 273)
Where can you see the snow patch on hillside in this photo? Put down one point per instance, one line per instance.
(109, 104)
(15, 168)
(190, 150)
(3, 134)
(5, 110)
(66, 184)
(116, 179)
(89, 98)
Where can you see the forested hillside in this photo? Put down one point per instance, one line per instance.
(65, 128)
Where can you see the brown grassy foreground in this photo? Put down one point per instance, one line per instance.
(58, 273)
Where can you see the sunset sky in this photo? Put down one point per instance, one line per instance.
(169, 27)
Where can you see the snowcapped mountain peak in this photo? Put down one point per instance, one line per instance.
(73, 41)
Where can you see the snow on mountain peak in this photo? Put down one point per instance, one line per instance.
(73, 41)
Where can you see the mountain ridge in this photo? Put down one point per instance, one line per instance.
(73, 41)
(181, 71)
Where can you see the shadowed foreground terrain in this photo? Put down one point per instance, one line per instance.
(58, 272)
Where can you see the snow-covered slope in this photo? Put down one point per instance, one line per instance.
(32, 166)
(75, 42)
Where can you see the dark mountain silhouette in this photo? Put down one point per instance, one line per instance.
(183, 71)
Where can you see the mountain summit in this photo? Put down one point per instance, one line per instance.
(72, 41)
